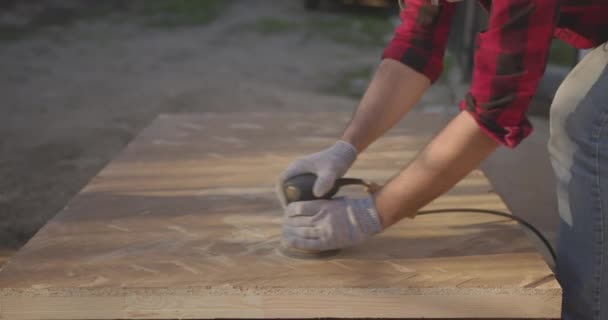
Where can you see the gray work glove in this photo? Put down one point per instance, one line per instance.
(330, 224)
(328, 165)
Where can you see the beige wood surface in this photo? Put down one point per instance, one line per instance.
(183, 224)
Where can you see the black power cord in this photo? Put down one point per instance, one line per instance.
(501, 214)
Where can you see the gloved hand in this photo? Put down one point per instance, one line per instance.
(330, 224)
(328, 165)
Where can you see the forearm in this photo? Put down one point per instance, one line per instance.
(449, 157)
(393, 91)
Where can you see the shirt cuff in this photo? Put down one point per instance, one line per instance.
(509, 135)
(430, 69)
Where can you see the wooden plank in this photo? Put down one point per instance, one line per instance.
(184, 224)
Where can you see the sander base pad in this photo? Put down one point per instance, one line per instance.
(307, 254)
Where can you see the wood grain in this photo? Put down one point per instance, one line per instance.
(184, 224)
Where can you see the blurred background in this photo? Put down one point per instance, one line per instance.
(80, 78)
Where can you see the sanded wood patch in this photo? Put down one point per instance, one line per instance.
(183, 224)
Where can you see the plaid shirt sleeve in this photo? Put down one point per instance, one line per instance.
(510, 59)
(419, 41)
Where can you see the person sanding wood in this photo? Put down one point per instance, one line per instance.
(510, 58)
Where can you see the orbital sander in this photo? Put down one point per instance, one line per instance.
(300, 188)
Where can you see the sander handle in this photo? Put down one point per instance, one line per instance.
(299, 188)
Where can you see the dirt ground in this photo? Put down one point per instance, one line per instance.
(74, 95)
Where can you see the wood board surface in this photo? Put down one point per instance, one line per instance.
(183, 224)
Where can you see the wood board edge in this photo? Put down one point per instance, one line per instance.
(512, 306)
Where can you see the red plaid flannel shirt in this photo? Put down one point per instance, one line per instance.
(510, 56)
